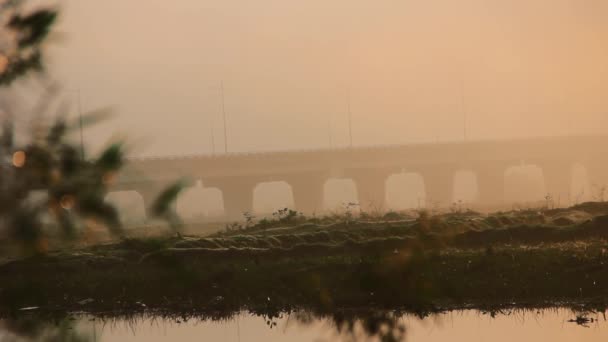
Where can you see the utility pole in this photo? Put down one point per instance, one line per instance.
(331, 142)
(224, 116)
(464, 110)
(212, 137)
(350, 119)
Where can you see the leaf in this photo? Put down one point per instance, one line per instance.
(35, 26)
(93, 206)
(21, 67)
(111, 159)
(90, 118)
(70, 160)
(8, 135)
(57, 132)
(162, 205)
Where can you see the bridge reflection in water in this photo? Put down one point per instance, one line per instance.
(306, 172)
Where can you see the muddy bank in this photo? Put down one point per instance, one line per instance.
(457, 260)
(423, 280)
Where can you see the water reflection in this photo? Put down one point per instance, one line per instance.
(519, 325)
(31, 328)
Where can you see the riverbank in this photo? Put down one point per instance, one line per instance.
(453, 261)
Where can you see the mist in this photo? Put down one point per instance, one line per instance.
(413, 71)
(281, 170)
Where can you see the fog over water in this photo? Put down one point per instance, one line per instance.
(413, 69)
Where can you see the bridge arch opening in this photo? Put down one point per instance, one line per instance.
(198, 203)
(130, 206)
(558, 182)
(338, 193)
(188, 204)
(268, 197)
(405, 190)
(525, 186)
(465, 187)
(211, 202)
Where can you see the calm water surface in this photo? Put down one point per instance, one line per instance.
(470, 326)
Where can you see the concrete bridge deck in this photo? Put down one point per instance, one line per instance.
(306, 171)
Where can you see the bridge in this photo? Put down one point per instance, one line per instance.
(237, 174)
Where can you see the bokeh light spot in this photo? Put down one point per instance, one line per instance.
(3, 63)
(67, 202)
(19, 158)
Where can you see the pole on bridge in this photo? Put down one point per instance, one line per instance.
(212, 138)
(224, 117)
(463, 108)
(331, 143)
(350, 119)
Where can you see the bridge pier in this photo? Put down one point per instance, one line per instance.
(308, 191)
(490, 184)
(371, 188)
(237, 194)
(558, 181)
(438, 185)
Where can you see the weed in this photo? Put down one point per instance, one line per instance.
(599, 192)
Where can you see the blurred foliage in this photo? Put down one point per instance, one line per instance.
(163, 206)
(33, 328)
(48, 179)
(23, 33)
(48, 182)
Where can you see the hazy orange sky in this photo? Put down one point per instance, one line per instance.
(517, 68)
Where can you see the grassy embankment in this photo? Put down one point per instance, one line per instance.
(447, 261)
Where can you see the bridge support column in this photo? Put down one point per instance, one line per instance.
(308, 193)
(371, 188)
(558, 181)
(490, 185)
(438, 185)
(237, 195)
